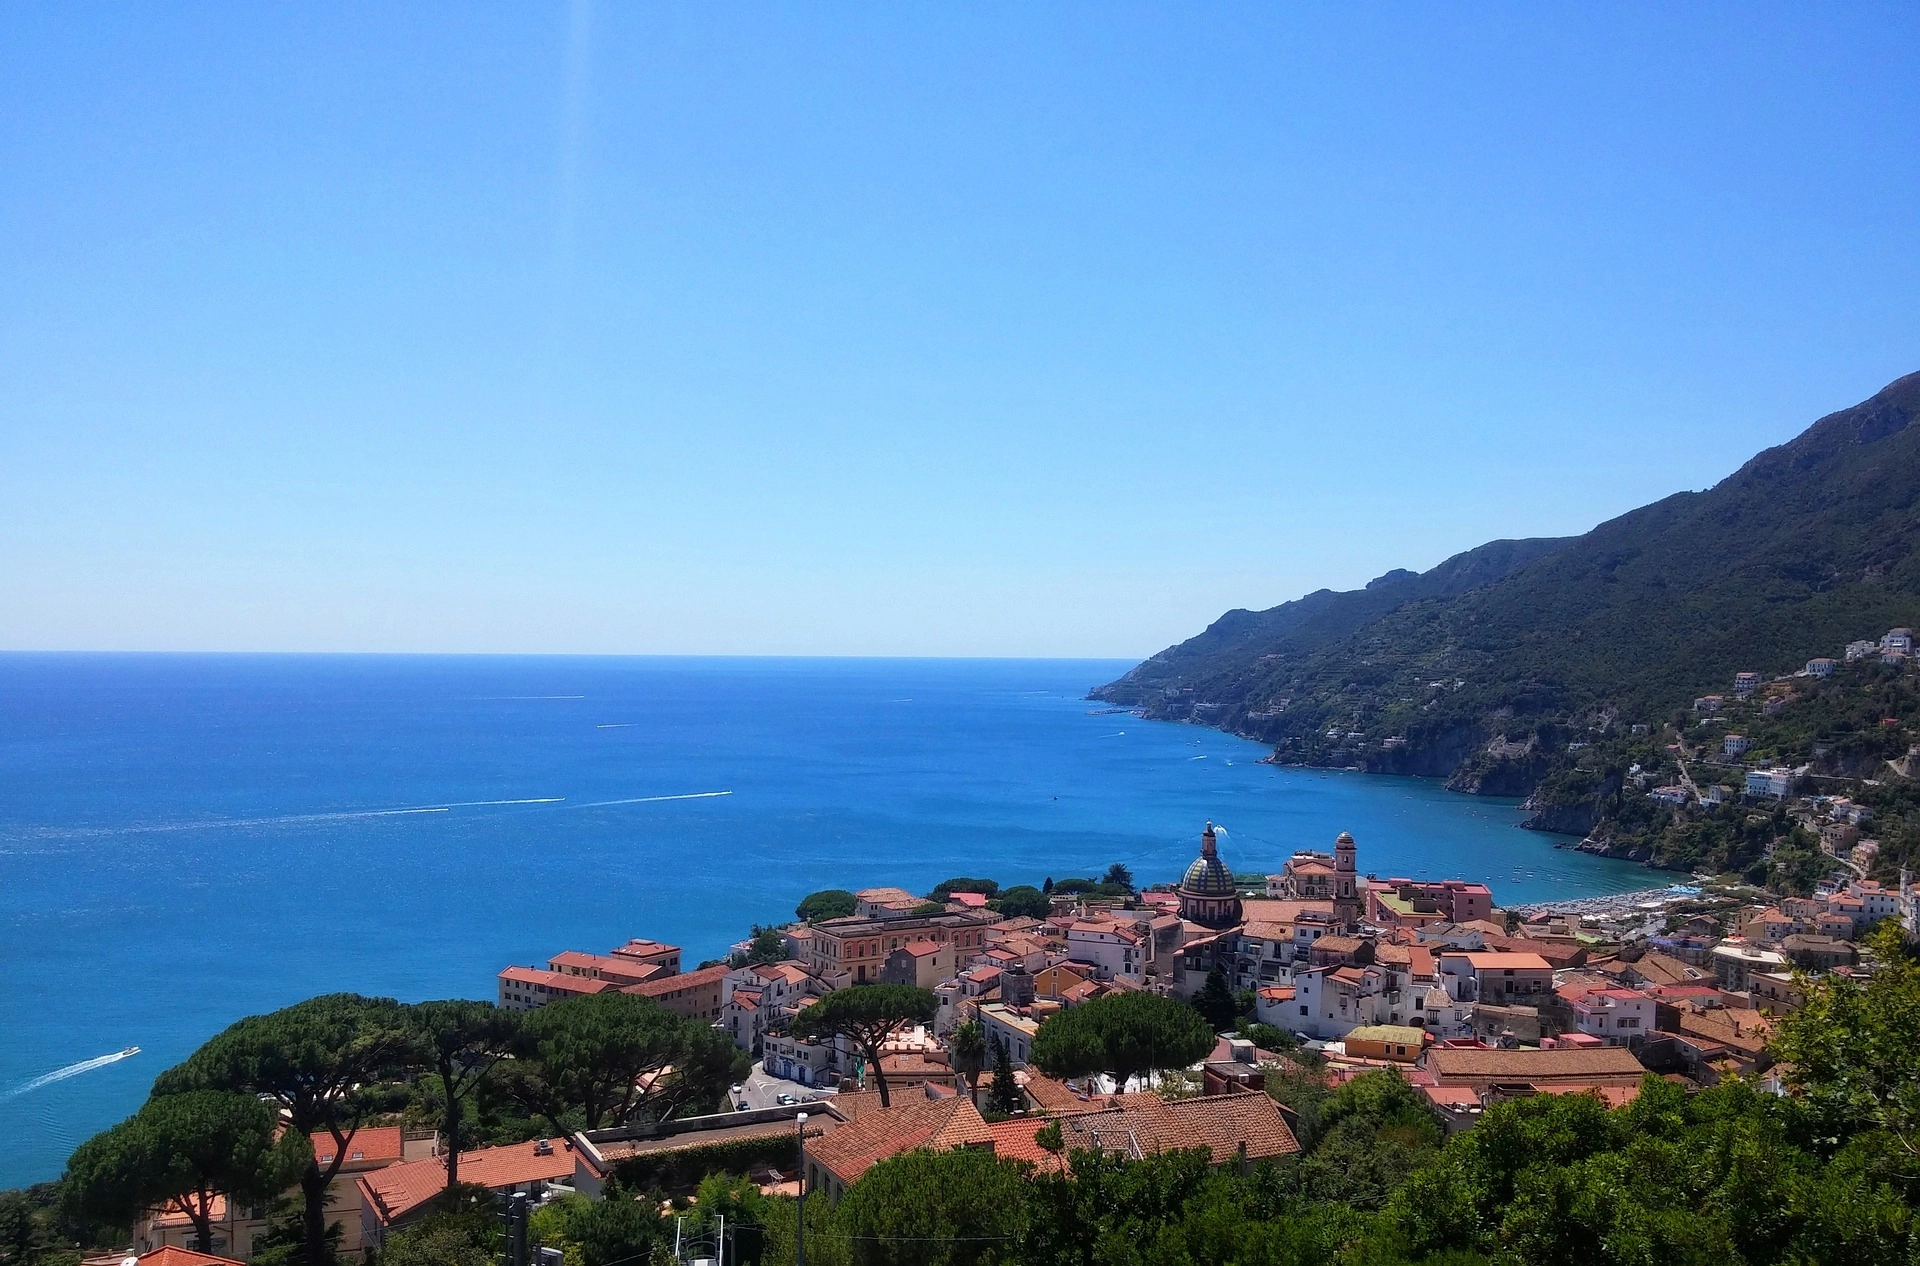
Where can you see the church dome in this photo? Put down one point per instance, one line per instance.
(1208, 877)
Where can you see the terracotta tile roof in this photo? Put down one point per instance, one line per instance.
(912, 1122)
(856, 1103)
(171, 1256)
(1556, 953)
(1225, 1122)
(673, 984)
(1453, 1065)
(911, 1064)
(1663, 969)
(1738, 1029)
(1697, 993)
(641, 947)
(1271, 910)
(397, 1190)
(1481, 960)
(369, 1145)
(1013, 1140)
(1057, 1097)
(1133, 1125)
(556, 981)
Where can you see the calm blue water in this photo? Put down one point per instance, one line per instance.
(188, 839)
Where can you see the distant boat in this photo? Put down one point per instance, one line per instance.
(131, 1050)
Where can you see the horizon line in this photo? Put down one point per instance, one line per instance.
(737, 655)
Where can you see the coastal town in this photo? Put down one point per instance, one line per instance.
(1331, 974)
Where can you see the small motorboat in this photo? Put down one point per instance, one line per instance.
(131, 1050)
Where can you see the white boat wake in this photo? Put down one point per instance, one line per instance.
(297, 819)
(690, 795)
(71, 1070)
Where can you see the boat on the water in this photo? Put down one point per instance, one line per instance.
(131, 1050)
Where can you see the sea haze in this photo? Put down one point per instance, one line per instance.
(187, 839)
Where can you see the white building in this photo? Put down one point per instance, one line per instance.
(1615, 1016)
(1861, 649)
(1821, 667)
(1115, 949)
(1877, 902)
(1897, 642)
(1776, 784)
(1014, 1030)
(1735, 745)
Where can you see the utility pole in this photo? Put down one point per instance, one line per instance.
(517, 1229)
(800, 1228)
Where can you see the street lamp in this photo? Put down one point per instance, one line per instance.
(800, 1227)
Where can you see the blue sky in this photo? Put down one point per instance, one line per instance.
(889, 329)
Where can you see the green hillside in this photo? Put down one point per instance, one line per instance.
(1485, 673)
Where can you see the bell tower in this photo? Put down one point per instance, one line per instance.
(1346, 881)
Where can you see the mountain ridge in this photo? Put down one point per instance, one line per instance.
(1538, 643)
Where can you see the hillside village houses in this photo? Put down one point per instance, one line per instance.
(1471, 1003)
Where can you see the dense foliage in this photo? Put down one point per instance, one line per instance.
(1123, 1035)
(601, 1060)
(947, 887)
(1023, 900)
(829, 903)
(1730, 1174)
(867, 1016)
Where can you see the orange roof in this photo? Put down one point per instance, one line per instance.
(1013, 1140)
(920, 949)
(559, 982)
(1489, 960)
(1272, 910)
(171, 1256)
(1057, 1097)
(1544, 1068)
(674, 984)
(640, 946)
(173, 1216)
(916, 1122)
(1225, 1123)
(973, 900)
(368, 1145)
(1140, 1124)
(397, 1190)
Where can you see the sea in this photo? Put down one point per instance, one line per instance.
(189, 839)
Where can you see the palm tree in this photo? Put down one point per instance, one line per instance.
(969, 1042)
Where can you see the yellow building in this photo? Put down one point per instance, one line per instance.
(1400, 1043)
